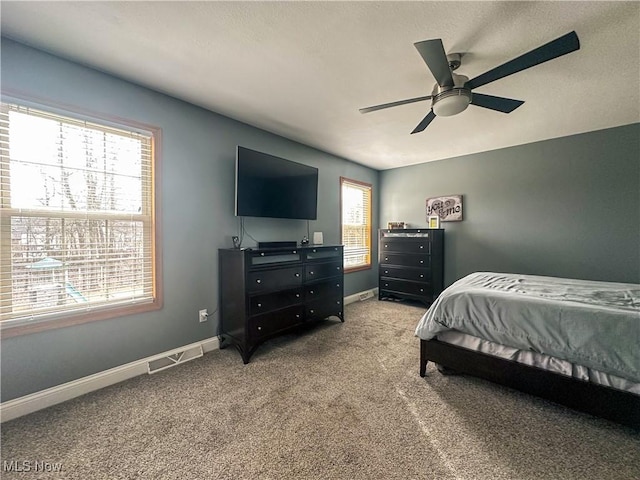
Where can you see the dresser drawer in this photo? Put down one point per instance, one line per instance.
(323, 308)
(268, 280)
(415, 274)
(273, 301)
(404, 245)
(266, 258)
(322, 253)
(412, 288)
(269, 323)
(331, 288)
(318, 271)
(408, 260)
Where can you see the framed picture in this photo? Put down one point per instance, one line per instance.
(395, 225)
(434, 221)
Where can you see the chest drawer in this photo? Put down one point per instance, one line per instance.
(412, 288)
(422, 245)
(414, 274)
(273, 301)
(318, 271)
(267, 280)
(408, 260)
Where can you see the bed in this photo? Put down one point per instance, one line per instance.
(574, 342)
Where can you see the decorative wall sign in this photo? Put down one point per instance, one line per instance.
(448, 208)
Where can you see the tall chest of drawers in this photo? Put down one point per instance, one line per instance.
(411, 264)
(267, 292)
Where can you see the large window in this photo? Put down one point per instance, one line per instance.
(355, 221)
(77, 220)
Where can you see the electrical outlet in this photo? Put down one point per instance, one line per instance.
(203, 315)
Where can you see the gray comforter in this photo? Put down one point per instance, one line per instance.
(595, 324)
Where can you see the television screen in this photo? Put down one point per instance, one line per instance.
(268, 186)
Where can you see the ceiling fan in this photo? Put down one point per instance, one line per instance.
(452, 93)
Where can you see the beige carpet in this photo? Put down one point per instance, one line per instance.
(341, 401)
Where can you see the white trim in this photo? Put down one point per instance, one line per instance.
(61, 393)
(359, 297)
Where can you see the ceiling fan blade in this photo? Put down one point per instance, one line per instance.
(501, 104)
(433, 54)
(554, 49)
(394, 104)
(425, 122)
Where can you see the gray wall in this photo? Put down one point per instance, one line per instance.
(198, 155)
(566, 207)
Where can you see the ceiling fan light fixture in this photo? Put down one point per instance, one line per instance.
(451, 102)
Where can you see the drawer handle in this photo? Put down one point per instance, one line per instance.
(297, 274)
(421, 246)
(337, 284)
(314, 250)
(337, 268)
(311, 311)
(262, 254)
(297, 315)
(297, 295)
(338, 302)
(258, 281)
(294, 251)
(422, 289)
(386, 284)
(310, 273)
(386, 271)
(311, 292)
(421, 275)
(421, 261)
(386, 258)
(259, 328)
(259, 305)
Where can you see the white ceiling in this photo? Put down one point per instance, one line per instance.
(303, 69)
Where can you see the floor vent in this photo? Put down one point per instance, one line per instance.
(365, 295)
(169, 361)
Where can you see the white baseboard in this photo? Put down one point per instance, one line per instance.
(360, 296)
(61, 393)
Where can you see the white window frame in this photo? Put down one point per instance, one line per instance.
(12, 323)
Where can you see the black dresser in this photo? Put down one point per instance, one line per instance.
(266, 292)
(411, 264)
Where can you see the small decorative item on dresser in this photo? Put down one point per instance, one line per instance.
(395, 225)
(434, 221)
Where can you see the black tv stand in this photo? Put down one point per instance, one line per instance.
(269, 291)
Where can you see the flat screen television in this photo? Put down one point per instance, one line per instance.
(269, 186)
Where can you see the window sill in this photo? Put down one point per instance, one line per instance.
(73, 319)
(357, 269)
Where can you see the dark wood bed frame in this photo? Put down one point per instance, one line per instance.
(616, 405)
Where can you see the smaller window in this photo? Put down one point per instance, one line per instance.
(355, 224)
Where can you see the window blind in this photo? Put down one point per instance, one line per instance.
(76, 215)
(356, 223)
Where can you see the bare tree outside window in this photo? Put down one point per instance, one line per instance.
(76, 229)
